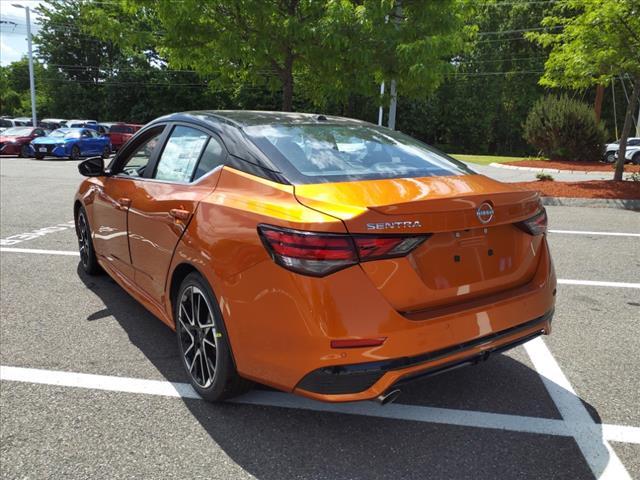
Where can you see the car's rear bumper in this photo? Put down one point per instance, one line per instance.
(368, 380)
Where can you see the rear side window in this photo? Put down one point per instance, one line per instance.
(315, 153)
(121, 129)
(212, 157)
(180, 154)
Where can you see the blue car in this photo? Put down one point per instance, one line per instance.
(72, 143)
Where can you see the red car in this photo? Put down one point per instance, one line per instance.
(16, 140)
(120, 133)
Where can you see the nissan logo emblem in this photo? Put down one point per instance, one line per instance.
(485, 212)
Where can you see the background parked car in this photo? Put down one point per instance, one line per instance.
(72, 143)
(120, 133)
(611, 148)
(16, 140)
(52, 123)
(92, 124)
(10, 123)
(26, 121)
(631, 155)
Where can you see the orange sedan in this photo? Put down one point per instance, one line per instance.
(319, 255)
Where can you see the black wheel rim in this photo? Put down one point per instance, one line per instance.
(198, 336)
(83, 239)
(74, 153)
(24, 151)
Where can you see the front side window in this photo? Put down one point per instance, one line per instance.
(138, 161)
(314, 153)
(180, 155)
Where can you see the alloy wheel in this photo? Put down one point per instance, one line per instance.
(197, 330)
(83, 239)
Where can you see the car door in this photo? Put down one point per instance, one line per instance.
(111, 204)
(163, 205)
(84, 142)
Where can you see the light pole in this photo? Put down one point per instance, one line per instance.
(32, 83)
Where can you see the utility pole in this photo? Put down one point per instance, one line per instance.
(393, 105)
(381, 108)
(32, 83)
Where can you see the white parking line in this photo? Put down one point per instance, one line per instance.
(40, 232)
(39, 251)
(465, 418)
(593, 283)
(583, 232)
(597, 451)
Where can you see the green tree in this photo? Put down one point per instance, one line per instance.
(595, 41)
(326, 50)
(481, 105)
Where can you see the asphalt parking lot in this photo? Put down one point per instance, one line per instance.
(92, 386)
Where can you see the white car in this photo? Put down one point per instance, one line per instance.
(6, 123)
(611, 148)
(631, 155)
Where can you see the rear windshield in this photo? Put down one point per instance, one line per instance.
(5, 123)
(121, 129)
(315, 153)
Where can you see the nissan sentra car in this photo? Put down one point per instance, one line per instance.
(319, 255)
(71, 143)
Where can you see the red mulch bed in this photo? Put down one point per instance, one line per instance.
(568, 165)
(589, 189)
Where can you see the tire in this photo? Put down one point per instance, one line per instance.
(636, 158)
(610, 157)
(24, 152)
(106, 152)
(204, 349)
(88, 258)
(39, 157)
(75, 153)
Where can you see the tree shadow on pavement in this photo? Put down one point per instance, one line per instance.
(274, 443)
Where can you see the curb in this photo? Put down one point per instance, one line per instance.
(625, 204)
(552, 170)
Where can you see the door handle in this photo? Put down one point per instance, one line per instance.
(179, 214)
(124, 202)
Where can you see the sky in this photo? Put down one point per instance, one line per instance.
(13, 38)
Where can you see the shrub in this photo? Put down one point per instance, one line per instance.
(564, 129)
(544, 177)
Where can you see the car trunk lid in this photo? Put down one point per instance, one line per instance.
(474, 246)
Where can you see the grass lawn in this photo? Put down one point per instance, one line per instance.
(486, 159)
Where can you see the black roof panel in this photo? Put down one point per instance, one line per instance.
(254, 117)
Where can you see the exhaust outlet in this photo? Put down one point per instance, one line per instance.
(388, 396)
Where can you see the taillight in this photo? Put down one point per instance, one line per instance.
(536, 225)
(319, 254)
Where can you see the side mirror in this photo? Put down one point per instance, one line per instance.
(92, 167)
